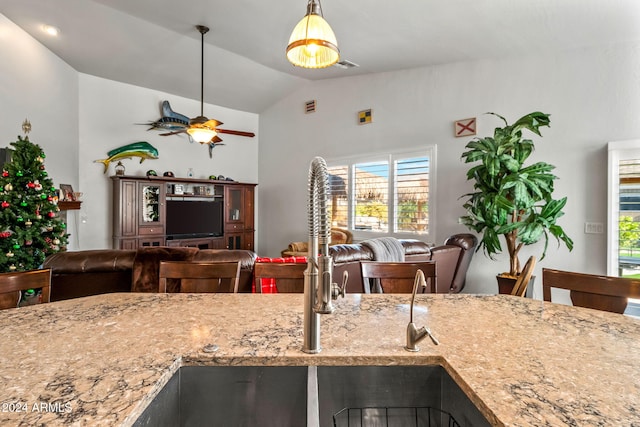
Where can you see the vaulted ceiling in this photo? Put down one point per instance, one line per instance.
(154, 43)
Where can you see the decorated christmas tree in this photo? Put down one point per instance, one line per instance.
(30, 227)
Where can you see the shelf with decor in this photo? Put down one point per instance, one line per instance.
(64, 205)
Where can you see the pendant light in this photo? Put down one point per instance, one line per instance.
(202, 129)
(312, 43)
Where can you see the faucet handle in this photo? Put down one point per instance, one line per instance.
(340, 290)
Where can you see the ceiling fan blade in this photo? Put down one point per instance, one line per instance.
(173, 133)
(236, 132)
(213, 145)
(211, 124)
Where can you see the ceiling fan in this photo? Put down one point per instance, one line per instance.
(199, 128)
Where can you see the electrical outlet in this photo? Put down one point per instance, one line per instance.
(593, 228)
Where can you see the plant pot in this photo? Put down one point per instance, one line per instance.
(506, 283)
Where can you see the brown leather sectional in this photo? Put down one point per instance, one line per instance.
(83, 273)
(453, 258)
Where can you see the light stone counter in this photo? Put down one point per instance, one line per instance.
(99, 360)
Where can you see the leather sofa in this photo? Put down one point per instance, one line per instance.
(453, 259)
(91, 272)
(83, 273)
(338, 236)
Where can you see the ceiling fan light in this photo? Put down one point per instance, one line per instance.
(201, 135)
(312, 43)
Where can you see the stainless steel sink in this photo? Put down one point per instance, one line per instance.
(231, 396)
(393, 396)
(322, 396)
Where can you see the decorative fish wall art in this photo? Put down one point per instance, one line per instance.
(141, 149)
(170, 120)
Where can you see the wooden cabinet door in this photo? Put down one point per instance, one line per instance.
(249, 215)
(247, 242)
(234, 240)
(234, 208)
(151, 201)
(151, 241)
(125, 213)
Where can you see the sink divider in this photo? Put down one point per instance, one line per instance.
(313, 403)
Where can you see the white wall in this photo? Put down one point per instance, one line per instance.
(36, 84)
(110, 113)
(593, 96)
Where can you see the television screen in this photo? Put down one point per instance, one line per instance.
(192, 218)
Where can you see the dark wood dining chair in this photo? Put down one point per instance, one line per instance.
(11, 285)
(208, 277)
(607, 293)
(396, 277)
(289, 277)
(520, 287)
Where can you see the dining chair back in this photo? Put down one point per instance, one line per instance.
(607, 293)
(289, 277)
(12, 284)
(396, 277)
(520, 288)
(195, 277)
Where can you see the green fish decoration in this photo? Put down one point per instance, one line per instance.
(141, 149)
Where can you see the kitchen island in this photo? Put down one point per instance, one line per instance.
(100, 360)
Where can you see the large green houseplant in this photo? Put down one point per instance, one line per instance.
(511, 199)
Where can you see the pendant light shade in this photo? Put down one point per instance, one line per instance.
(201, 135)
(201, 129)
(312, 43)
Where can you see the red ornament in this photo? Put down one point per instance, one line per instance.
(5, 173)
(50, 199)
(31, 185)
(51, 214)
(5, 234)
(4, 204)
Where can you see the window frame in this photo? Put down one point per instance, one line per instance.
(618, 150)
(390, 157)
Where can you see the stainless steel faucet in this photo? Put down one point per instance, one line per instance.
(415, 334)
(319, 289)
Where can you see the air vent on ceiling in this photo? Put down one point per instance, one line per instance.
(345, 64)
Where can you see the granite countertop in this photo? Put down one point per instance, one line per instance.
(99, 360)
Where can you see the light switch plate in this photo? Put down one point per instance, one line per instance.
(593, 228)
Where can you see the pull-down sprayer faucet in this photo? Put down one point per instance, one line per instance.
(319, 288)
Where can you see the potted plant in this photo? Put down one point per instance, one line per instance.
(512, 199)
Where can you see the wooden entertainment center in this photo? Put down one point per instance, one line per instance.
(140, 212)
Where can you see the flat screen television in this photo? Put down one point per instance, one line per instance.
(194, 218)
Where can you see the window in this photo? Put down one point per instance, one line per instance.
(623, 227)
(385, 194)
